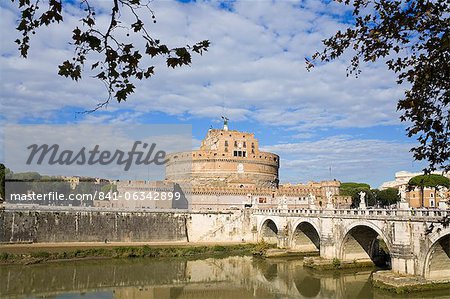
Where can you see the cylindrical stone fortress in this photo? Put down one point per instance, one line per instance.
(225, 157)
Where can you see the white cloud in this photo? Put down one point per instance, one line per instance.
(350, 159)
(255, 68)
(254, 71)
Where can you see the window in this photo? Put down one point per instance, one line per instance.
(240, 154)
(226, 142)
(235, 143)
(253, 145)
(244, 144)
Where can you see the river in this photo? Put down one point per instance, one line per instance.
(236, 277)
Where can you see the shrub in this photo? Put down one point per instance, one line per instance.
(336, 263)
(4, 256)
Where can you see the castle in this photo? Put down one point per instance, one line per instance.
(229, 171)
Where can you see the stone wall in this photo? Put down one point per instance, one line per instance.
(94, 226)
(236, 226)
(90, 226)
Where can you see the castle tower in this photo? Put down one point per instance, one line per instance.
(226, 157)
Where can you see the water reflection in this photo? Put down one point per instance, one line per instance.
(231, 277)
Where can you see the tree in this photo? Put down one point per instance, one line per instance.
(349, 189)
(117, 62)
(429, 180)
(3, 173)
(353, 189)
(413, 38)
(386, 197)
(109, 188)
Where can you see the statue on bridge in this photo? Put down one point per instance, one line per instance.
(442, 194)
(362, 198)
(444, 202)
(402, 204)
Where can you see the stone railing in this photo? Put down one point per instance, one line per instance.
(356, 213)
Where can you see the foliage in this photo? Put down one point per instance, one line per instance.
(336, 263)
(117, 61)
(386, 197)
(352, 189)
(4, 256)
(429, 180)
(145, 251)
(413, 38)
(109, 188)
(26, 176)
(349, 189)
(261, 247)
(4, 174)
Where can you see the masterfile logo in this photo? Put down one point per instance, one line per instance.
(120, 152)
(53, 155)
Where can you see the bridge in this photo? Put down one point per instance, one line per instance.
(415, 242)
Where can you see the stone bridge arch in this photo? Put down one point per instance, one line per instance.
(437, 259)
(268, 230)
(305, 236)
(365, 241)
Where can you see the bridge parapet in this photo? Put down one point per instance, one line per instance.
(419, 214)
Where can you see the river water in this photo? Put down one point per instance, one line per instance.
(218, 278)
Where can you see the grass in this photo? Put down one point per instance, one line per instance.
(335, 264)
(144, 251)
(405, 289)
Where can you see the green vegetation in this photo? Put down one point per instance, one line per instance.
(261, 248)
(429, 180)
(131, 252)
(411, 288)
(321, 264)
(373, 197)
(349, 189)
(22, 182)
(109, 188)
(4, 174)
(434, 181)
(336, 263)
(386, 197)
(353, 189)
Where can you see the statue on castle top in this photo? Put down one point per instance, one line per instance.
(225, 123)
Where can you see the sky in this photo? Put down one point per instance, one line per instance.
(323, 124)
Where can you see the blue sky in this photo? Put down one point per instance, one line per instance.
(254, 73)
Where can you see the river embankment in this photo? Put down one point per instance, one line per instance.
(41, 253)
